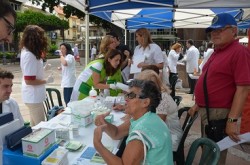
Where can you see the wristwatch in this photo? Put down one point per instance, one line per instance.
(231, 120)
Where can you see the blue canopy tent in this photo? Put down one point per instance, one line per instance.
(170, 13)
(160, 18)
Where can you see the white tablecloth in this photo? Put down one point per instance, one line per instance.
(63, 120)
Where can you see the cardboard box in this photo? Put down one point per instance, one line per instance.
(38, 142)
(57, 157)
(82, 119)
(16, 157)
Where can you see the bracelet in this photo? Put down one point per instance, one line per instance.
(231, 120)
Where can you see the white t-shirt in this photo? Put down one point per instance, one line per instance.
(191, 59)
(93, 51)
(172, 61)
(68, 72)
(152, 53)
(207, 54)
(31, 66)
(10, 105)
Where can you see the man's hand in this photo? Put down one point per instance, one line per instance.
(232, 131)
(193, 109)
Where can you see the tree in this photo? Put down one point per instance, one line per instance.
(47, 22)
(69, 10)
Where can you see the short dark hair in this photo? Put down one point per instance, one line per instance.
(68, 48)
(148, 90)
(6, 74)
(6, 8)
(113, 34)
(190, 41)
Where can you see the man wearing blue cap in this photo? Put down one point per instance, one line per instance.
(222, 89)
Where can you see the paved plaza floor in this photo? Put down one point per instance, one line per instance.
(236, 155)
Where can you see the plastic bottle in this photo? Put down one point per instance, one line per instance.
(93, 93)
(106, 92)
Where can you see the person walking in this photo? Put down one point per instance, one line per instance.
(93, 52)
(76, 54)
(225, 80)
(191, 59)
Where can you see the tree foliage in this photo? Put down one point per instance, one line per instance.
(47, 22)
(69, 10)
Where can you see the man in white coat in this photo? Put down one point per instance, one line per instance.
(8, 104)
(191, 58)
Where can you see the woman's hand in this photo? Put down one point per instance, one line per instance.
(100, 119)
(98, 133)
(118, 107)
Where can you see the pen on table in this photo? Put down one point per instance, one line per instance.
(114, 102)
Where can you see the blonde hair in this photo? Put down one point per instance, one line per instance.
(151, 75)
(176, 46)
(143, 32)
(106, 41)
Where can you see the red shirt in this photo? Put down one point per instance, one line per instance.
(227, 68)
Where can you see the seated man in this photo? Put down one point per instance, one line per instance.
(7, 104)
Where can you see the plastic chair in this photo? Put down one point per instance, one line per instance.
(179, 156)
(210, 152)
(49, 101)
(177, 99)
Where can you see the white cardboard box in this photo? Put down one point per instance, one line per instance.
(38, 142)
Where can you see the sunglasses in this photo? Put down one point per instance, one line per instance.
(132, 95)
(11, 27)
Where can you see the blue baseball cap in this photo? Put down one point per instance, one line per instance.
(220, 21)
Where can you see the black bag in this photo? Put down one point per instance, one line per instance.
(215, 130)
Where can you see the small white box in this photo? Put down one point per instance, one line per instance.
(82, 119)
(38, 142)
(57, 157)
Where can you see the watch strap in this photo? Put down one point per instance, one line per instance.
(231, 120)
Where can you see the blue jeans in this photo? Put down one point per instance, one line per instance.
(67, 94)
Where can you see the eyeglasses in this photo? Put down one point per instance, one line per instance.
(132, 95)
(220, 30)
(11, 27)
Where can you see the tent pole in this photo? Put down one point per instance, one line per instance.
(86, 38)
(125, 37)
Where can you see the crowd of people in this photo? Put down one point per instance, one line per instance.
(220, 92)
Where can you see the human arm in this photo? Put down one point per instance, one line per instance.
(115, 132)
(35, 82)
(239, 99)
(63, 60)
(96, 81)
(193, 109)
(125, 62)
